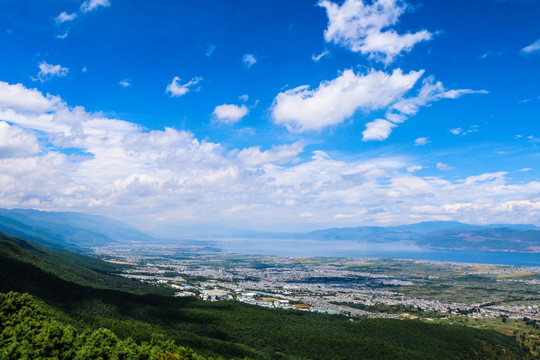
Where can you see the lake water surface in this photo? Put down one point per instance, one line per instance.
(352, 249)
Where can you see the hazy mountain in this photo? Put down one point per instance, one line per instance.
(490, 239)
(410, 232)
(78, 231)
(67, 230)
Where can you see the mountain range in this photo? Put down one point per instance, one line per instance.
(80, 232)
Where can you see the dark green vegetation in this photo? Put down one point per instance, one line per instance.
(80, 298)
(28, 330)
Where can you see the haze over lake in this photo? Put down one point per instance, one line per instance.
(351, 249)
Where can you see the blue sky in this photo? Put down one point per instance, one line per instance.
(281, 115)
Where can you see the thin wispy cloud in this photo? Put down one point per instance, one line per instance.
(489, 54)
(249, 60)
(125, 83)
(532, 48)
(210, 50)
(49, 71)
(64, 17)
(62, 36)
(92, 5)
(317, 58)
(444, 167)
(421, 141)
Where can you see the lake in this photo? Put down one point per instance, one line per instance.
(352, 249)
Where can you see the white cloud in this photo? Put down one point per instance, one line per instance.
(210, 50)
(84, 69)
(64, 16)
(175, 89)
(421, 141)
(91, 5)
(125, 83)
(249, 60)
(444, 167)
(461, 131)
(120, 169)
(63, 36)
(490, 54)
(532, 48)
(21, 99)
(244, 97)
(404, 108)
(230, 113)
(366, 28)
(343, 216)
(334, 101)
(253, 156)
(379, 129)
(317, 58)
(16, 142)
(48, 71)
(414, 168)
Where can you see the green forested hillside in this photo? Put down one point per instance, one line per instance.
(80, 295)
(28, 330)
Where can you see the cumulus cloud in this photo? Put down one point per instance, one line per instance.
(16, 142)
(332, 102)
(91, 5)
(122, 169)
(18, 98)
(64, 16)
(48, 71)
(532, 48)
(230, 113)
(367, 28)
(249, 60)
(176, 89)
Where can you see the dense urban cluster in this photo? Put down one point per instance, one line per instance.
(334, 286)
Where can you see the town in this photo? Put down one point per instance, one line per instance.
(380, 288)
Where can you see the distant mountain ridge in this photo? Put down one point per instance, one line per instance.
(79, 232)
(67, 230)
(444, 235)
(490, 239)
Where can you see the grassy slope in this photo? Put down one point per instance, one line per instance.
(81, 291)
